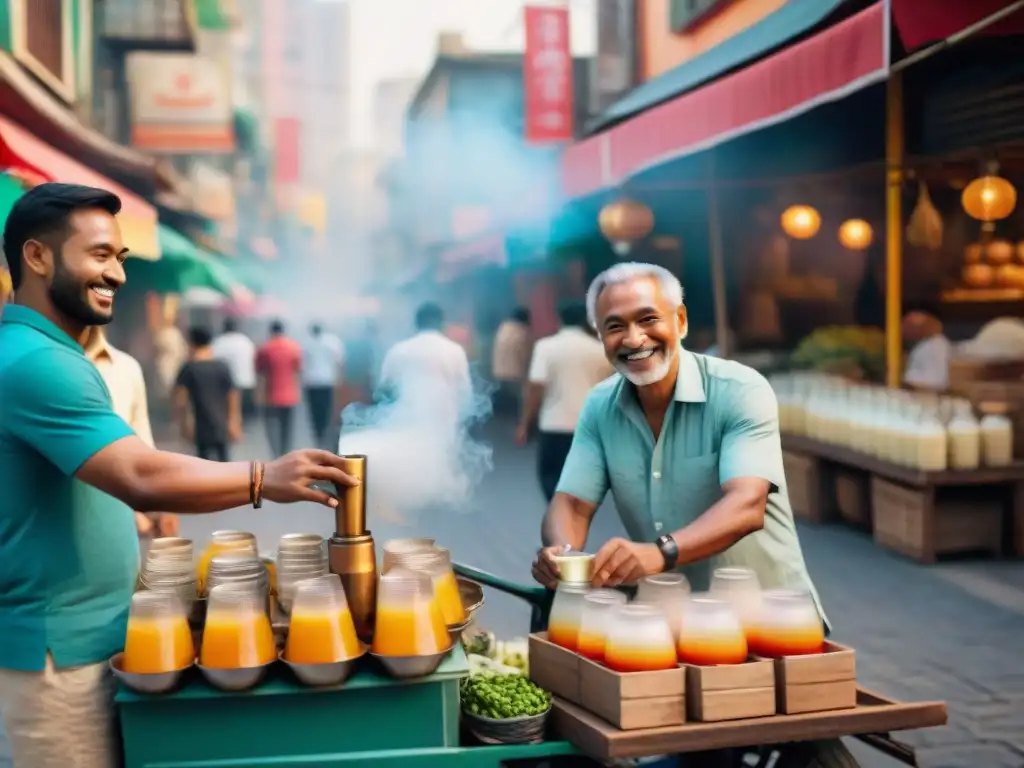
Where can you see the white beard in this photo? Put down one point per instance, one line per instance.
(647, 378)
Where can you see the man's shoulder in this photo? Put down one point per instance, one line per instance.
(730, 374)
(604, 396)
(124, 361)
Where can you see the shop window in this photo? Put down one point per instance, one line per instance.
(142, 20)
(684, 14)
(42, 33)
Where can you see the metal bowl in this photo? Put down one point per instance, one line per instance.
(316, 675)
(407, 667)
(514, 730)
(472, 595)
(161, 682)
(234, 679)
(456, 630)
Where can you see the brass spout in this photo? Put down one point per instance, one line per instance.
(354, 559)
(350, 516)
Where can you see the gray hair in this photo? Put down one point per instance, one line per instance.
(632, 270)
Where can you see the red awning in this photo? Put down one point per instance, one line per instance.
(920, 22)
(840, 60)
(19, 149)
(460, 258)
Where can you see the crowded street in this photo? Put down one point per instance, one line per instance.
(949, 632)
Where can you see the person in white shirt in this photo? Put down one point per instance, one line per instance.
(323, 356)
(563, 370)
(510, 359)
(239, 352)
(429, 371)
(928, 362)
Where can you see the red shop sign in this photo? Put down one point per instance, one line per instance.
(547, 75)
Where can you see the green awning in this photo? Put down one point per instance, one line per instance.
(10, 190)
(778, 29)
(184, 265)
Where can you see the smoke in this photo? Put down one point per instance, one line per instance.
(419, 443)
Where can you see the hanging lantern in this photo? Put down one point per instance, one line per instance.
(989, 198)
(856, 234)
(801, 222)
(624, 222)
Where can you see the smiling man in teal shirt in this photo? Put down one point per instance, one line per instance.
(688, 445)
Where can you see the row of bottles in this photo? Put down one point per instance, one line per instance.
(918, 430)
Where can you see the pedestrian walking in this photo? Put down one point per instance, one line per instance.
(323, 356)
(127, 386)
(72, 472)
(563, 370)
(207, 404)
(510, 359)
(239, 352)
(279, 363)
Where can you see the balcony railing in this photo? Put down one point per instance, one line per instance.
(146, 24)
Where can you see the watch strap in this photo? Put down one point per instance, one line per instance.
(669, 550)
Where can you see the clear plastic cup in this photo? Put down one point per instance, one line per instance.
(409, 617)
(158, 639)
(566, 613)
(300, 556)
(321, 630)
(639, 640)
(437, 562)
(394, 547)
(598, 608)
(712, 633)
(221, 543)
(667, 591)
(741, 588)
(789, 625)
(237, 634)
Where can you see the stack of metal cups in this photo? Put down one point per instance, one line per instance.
(239, 569)
(300, 556)
(170, 567)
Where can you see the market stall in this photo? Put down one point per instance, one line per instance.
(320, 656)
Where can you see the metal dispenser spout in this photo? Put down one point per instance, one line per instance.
(351, 550)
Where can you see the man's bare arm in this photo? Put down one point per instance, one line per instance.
(533, 396)
(567, 522)
(737, 514)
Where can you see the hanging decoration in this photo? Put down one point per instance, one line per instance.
(624, 223)
(856, 234)
(989, 198)
(801, 222)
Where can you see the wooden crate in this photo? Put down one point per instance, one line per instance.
(731, 692)
(853, 496)
(554, 668)
(816, 683)
(923, 523)
(808, 481)
(634, 700)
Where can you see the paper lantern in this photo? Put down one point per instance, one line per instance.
(801, 222)
(856, 234)
(989, 198)
(624, 222)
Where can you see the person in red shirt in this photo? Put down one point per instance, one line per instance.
(278, 363)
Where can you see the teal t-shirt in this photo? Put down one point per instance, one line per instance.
(69, 553)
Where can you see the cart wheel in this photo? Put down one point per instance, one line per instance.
(831, 753)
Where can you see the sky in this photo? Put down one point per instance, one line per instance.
(398, 38)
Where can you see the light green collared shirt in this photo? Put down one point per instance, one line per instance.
(722, 424)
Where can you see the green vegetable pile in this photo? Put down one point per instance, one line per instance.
(502, 697)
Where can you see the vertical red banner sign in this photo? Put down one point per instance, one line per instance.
(286, 150)
(547, 75)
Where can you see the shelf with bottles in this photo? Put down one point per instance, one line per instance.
(922, 432)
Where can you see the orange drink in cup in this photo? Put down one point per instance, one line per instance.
(221, 543)
(566, 612)
(237, 634)
(639, 640)
(409, 617)
(711, 634)
(158, 639)
(789, 625)
(417, 555)
(598, 610)
(741, 588)
(321, 630)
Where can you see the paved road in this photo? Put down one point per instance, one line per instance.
(951, 632)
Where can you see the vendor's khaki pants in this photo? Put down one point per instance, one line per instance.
(60, 718)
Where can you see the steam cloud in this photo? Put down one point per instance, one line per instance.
(420, 450)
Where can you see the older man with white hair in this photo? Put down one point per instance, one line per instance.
(687, 444)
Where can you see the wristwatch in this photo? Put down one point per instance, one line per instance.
(669, 550)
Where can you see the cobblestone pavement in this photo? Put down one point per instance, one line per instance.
(950, 632)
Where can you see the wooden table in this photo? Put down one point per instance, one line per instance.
(874, 714)
(920, 514)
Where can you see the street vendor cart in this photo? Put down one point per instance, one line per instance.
(372, 719)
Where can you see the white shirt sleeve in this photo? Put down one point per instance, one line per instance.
(928, 364)
(539, 365)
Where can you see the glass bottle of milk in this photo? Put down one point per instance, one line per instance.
(932, 444)
(996, 435)
(964, 438)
